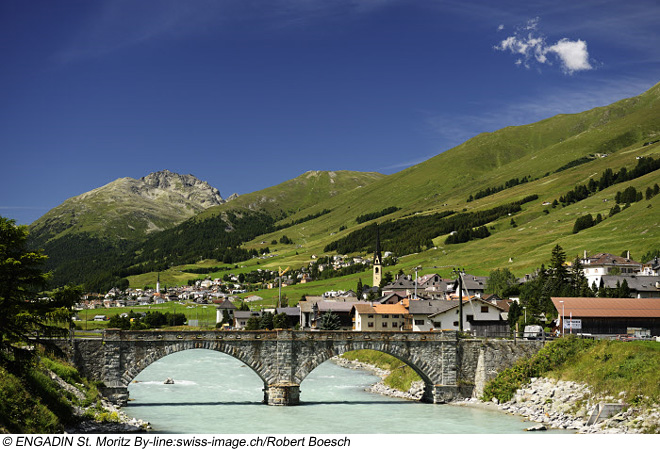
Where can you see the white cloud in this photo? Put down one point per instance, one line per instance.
(530, 46)
(501, 27)
(454, 128)
(573, 55)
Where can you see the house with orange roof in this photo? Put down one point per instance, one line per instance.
(367, 317)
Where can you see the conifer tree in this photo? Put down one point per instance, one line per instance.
(330, 321)
(28, 314)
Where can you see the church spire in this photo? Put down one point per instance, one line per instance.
(378, 260)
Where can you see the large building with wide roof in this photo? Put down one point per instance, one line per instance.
(610, 316)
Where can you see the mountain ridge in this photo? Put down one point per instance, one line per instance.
(552, 155)
(128, 208)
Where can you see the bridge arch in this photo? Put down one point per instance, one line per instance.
(134, 368)
(307, 364)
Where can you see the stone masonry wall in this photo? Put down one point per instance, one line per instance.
(479, 361)
(282, 358)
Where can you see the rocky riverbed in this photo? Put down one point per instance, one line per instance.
(569, 405)
(102, 417)
(553, 404)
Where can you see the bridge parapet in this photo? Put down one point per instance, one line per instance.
(237, 335)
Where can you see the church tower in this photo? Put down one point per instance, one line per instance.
(158, 285)
(378, 261)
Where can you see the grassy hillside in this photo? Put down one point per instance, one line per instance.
(551, 157)
(609, 367)
(537, 150)
(289, 198)
(34, 399)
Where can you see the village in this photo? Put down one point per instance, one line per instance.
(417, 303)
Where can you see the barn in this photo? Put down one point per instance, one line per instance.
(595, 315)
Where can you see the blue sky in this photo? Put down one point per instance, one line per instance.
(246, 94)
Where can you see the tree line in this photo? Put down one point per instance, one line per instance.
(628, 196)
(415, 234)
(494, 190)
(375, 215)
(303, 219)
(609, 178)
(101, 264)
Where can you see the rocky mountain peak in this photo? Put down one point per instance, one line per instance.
(187, 186)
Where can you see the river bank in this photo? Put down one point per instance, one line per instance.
(414, 393)
(553, 404)
(573, 406)
(101, 417)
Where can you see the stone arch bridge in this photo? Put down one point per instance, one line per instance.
(282, 359)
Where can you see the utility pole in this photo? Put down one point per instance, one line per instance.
(279, 299)
(416, 269)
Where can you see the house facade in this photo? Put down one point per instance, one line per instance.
(600, 264)
(378, 317)
(481, 318)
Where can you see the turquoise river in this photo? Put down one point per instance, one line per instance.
(215, 393)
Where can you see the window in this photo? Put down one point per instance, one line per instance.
(370, 316)
(394, 324)
(386, 316)
(484, 309)
(419, 321)
(470, 318)
(456, 324)
(384, 325)
(370, 325)
(395, 316)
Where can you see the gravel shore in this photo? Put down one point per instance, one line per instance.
(552, 404)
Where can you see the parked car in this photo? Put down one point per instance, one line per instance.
(533, 332)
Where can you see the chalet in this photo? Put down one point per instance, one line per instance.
(652, 267)
(433, 285)
(420, 310)
(292, 314)
(608, 316)
(472, 285)
(341, 309)
(221, 308)
(313, 306)
(481, 318)
(241, 318)
(594, 267)
(404, 285)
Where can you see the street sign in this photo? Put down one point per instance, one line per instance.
(572, 324)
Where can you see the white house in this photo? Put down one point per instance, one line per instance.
(479, 316)
(594, 267)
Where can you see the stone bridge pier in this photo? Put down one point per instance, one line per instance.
(281, 358)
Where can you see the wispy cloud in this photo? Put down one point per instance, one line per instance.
(118, 24)
(404, 164)
(530, 46)
(454, 129)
